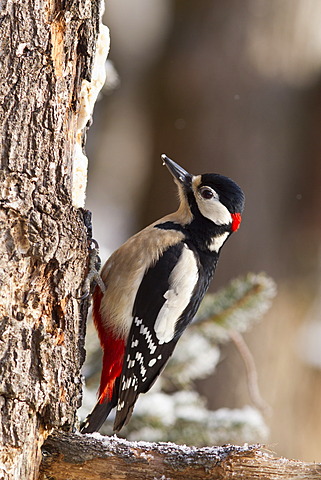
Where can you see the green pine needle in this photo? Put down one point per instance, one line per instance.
(238, 306)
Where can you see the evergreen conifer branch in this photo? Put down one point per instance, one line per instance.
(236, 307)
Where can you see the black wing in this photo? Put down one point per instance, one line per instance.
(145, 356)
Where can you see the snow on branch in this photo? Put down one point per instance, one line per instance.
(94, 457)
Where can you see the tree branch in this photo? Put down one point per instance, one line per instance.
(96, 457)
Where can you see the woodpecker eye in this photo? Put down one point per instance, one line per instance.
(207, 193)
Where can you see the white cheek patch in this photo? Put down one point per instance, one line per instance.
(217, 242)
(214, 210)
(182, 282)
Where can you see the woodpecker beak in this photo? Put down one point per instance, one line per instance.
(184, 178)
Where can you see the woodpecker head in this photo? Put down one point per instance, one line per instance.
(213, 196)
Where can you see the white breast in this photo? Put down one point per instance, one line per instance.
(182, 282)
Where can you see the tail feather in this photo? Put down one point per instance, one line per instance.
(123, 417)
(96, 418)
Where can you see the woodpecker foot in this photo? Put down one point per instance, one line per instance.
(93, 277)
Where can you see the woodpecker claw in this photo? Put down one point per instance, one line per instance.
(93, 277)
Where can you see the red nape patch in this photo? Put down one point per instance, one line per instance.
(236, 221)
(113, 348)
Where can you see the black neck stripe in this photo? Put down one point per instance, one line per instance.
(171, 226)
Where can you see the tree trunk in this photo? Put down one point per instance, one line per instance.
(47, 55)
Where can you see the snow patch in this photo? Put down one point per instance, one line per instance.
(88, 96)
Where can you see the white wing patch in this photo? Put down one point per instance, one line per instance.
(217, 242)
(182, 282)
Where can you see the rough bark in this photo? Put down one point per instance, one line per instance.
(74, 457)
(47, 51)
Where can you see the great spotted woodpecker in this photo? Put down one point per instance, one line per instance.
(154, 285)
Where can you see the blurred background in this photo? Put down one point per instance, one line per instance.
(234, 88)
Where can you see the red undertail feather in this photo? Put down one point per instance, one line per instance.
(113, 349)
(112, 366)
(236, 221)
